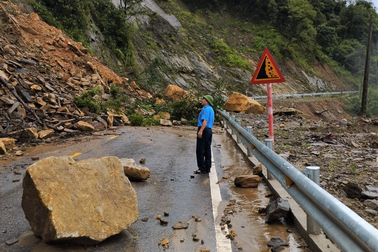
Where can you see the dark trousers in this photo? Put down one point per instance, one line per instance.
(203, 150)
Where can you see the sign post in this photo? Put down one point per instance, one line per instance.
(267, 72)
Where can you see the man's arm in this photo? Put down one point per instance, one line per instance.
(204, 123)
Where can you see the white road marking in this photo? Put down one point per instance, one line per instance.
(223, 244)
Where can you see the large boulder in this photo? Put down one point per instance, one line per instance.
(175, 92)
(8, 142)
(240, 103)
(247, 181)
(44, 134)
(133, 171)
(84, 126)
(81, 202)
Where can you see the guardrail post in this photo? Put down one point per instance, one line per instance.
(224, 119)
(250, 131)
(313, 172)
(238, 121)
(269, 143)
(232, 128)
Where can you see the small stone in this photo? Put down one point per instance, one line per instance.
(197, 218)
(224, 177)
(16, 180)
(142, 161)
(163, 221)
(158, 217)
(34, 158)
(19, 153)
(192, 176)
(240, 248)
(166, 213)
(11, 241)
(17, 172)
(195, 238)
(205, 250)
(202, 242)
(182, 240)
(181, 225)
(144, 219)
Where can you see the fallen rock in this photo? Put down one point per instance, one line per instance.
(277, 209)
(352, 190)
(44, 134)
(276, 244)
(181, 225)
(240, 103)
(373, 204)
(247, 181)
(257, 170)
(164, 122)
(133, 171)
(174, 92)
(369, 195)
(3, 150)
(29, 133)
(68, 201)
(8, 142)
(162, 115)
(84, 126)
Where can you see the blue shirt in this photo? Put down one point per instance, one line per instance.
(207, 113)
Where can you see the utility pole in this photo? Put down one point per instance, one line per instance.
(366, 73)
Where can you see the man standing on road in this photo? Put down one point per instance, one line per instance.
(205, 135)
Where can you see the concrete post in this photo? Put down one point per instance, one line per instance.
(313, 173)
(269, 143)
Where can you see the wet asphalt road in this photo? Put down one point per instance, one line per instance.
(170, 155)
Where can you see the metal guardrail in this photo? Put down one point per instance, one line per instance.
(306, 95)
(347, 229)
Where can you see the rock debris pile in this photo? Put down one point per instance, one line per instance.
(41, 71)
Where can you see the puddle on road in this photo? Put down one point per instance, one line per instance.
(253, 233)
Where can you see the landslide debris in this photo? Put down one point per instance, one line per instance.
(41, 71)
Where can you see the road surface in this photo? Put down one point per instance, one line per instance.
(170, 155)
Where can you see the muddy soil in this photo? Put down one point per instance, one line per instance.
(344, 147)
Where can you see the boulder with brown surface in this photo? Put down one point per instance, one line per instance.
(81, 202)
(8, 142)
(44, 134)
(84, 126)
(175, 92)
(240, 103)
(133, 171)
(247, 181)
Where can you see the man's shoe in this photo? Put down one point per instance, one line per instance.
(205, 172)
(197, 171)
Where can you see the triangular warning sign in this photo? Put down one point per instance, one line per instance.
(267, 70)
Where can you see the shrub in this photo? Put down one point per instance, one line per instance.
(136, 119)
(150, 121)
(86, 100)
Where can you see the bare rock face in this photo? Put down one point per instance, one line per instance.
(247, 181)
(240, 103)
(175, 92)
(133, 171)
(81, 202)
